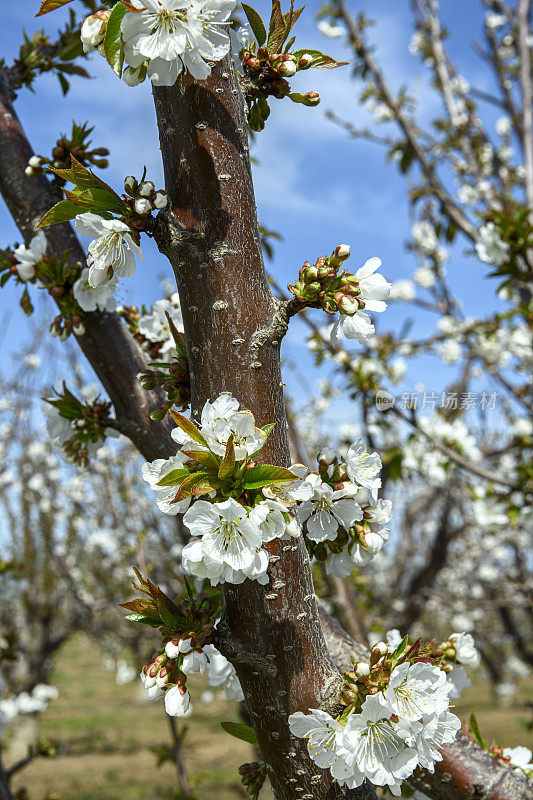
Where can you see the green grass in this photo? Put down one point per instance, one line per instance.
(105, 733)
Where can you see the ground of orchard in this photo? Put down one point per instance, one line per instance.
(106, 731)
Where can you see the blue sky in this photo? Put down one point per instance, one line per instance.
(313, 184)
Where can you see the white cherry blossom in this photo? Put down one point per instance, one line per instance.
(363, 467)
(465, 649)
(221, 674)
(177, 701)
(92, 298)
(375, 289)
(416, 690)
(229, 537)
(155, 326)
(28, 257)
(153, 472)
(112, 251)
(326, 511)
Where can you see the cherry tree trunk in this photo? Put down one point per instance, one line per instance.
(271, 633)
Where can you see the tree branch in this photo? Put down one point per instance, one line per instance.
(107, 344)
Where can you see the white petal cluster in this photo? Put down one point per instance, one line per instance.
(374, 290)
(327, 510)
(227, 537)
(227, 543)
(490, 247)
(153, 472)
(32, 702)
(395, 730)
(28, 257)
(167, 36)
(94, 298)
(221, 674)
(112, 250)
(465, 649)
(155, 326)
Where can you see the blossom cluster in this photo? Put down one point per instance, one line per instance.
(187, 626)
(161, 38)
(343, 520)
(396, 718)
(245, 506)
(24, 703)
(321, 285)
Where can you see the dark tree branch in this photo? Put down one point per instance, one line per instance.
(107, 344)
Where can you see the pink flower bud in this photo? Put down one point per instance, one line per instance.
(305, 61)
(342, 251)
(287, 69)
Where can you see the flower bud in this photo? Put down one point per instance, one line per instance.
(93, 30)
(78, 329)
(379, 650)
(160, 199)
(132, 76)
(172, 649)
(146, 188)
(305, 61)
(287, 69)
(362, 669)
(143, 205)
(36, 161)
(342, 251)
(29, 171)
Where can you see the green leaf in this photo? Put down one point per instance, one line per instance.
(203, 457)
(153, 621)
(401, 647)
(240, 731)
(228, 463)
(267, 430)
(81, 177)
(322, 61)
(174, 477)
(51, 5)
(65, 85)
(188, 427)
(256, 23)
(476, 733)
(61, 212)
(113, 44)
(267, 475)
(97, 200)
(5, 277)
(197, 483)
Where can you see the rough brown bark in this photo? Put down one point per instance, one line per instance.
(272, 634)
(110, 349)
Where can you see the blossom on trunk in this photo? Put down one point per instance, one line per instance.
(112, 249)
(168, 35)
(228, 536)
(326, 511)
